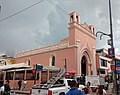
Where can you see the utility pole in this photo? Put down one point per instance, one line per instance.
(111, 51)
(113, 61)
(111, 32)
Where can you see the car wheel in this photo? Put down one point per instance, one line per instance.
(62, 93)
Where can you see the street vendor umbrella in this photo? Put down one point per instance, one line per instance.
(71, 71)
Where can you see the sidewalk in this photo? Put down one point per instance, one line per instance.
(20, 92)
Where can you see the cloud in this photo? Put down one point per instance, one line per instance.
(48, 22)
(21, 31)
(58, 27)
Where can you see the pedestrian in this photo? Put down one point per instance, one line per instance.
(73, 89)
(7, 88)
(2, 90)
(85, 91)
(78, 81)
(106, 86)
(19, 84)
(106, 82)
(106, 79)
(88, 87)
(100, 91)
(83, 79)
(25, 83)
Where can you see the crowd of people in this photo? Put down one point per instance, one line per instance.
(75, 91)
(5, 88)
(74, 88)
(20, 84)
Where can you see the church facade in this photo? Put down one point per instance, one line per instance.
(77, 50)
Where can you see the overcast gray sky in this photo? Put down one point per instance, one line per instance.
(47, 22)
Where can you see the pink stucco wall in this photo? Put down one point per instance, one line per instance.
(44, 58)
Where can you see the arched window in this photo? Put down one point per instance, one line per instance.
(77, 19)
(53, 61)
(71, 18)
(28, 62)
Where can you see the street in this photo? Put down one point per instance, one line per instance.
(17, 92)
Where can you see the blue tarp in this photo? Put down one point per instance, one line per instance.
(117, 71)
(118, 65)
(110, 72)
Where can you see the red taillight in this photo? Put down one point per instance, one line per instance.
(49, 92)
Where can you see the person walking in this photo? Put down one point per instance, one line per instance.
(25, 83)
(74, 90)
(2, 89)
(19, 84)
(100, 91)
(88, 87)
(106, 82)
(7, 88)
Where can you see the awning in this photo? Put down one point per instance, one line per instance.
(117, 72)
(15, 66)
(51, 68)
(71, 71)
(21, 69)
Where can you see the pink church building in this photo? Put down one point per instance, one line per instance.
(78, 50)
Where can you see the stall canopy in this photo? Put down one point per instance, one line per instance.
(23, 66)
(52, 68)
(71, 72)
(15, 66)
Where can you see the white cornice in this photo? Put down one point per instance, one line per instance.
(68, 47)
(106, 58)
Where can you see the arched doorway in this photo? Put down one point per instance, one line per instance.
(83, 65)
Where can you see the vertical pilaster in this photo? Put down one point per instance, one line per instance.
(14, 79)
(4, 77)
(78, 57)
(25, 74)
(94, 62)
(48, 73)
(40, 76)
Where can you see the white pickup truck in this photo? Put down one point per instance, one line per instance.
(59, 88)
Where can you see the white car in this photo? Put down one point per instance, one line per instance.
(59, 88)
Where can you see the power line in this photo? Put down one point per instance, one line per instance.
(64, 11)
(21, 11)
